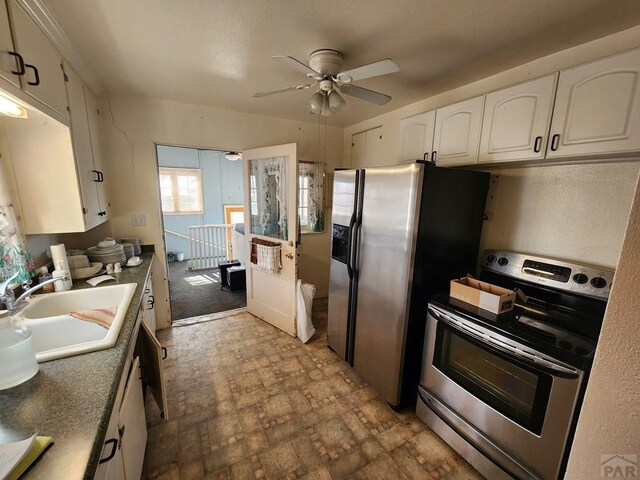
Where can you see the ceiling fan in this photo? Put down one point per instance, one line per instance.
(325, 69)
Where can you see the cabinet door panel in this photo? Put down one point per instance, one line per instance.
(132, 425)
(416, 136)
(597, 108)
(8, 63)
(152, 360)
(516, 121)
(111, 466)
(457, 133)
(38, 51)
(93, 114)
(82, 149)
(374, 151)
(358, 144)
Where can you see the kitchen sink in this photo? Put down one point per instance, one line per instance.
(57, 334)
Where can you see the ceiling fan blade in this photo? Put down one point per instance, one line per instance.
(299, 66)
(365, 94)
(282, 90)
(374, 69)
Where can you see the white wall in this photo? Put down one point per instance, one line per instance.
(134, 124)
(610, 419)
(571, 212)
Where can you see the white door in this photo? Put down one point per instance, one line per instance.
(416, 137)
(358, 145)
(516, 121)
(271, 181)
(457, 135)
(597, 109)
(93, 114)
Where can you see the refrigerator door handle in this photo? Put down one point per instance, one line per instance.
(351, 244)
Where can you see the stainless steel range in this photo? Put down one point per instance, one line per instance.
(505, 390)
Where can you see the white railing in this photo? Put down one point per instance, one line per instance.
(210, 245)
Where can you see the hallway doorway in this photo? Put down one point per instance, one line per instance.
(201, 194)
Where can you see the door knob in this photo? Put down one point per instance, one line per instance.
(288, 255)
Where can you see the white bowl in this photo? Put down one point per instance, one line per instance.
(107, 243)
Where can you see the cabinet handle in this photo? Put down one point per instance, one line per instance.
(165, 354)
(151, 302)
(96, 175)
(555, 140)
(433, 156)
(146, 290)
(21, 70)
(36, 82)
(537, 144)
(114, 442)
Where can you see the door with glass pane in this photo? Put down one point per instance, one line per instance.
(271, 227)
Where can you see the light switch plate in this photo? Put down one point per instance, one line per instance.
(139, 220)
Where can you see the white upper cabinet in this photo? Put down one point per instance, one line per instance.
(516, 121)
(457, 133)
(82, 148)
(597, 109)
(367, 149)
(93, 114)
(416, 137)
(9, 64)
(43, 78)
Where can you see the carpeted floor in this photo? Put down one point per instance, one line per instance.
(195, 293)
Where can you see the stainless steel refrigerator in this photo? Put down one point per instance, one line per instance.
(399, 234)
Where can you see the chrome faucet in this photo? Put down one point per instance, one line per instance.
(9, 302)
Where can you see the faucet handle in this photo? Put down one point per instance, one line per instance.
(5, 284)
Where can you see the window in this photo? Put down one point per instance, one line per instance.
(181, 191)
(310, 196)
(303, 201)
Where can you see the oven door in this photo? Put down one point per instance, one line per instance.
(518, 399)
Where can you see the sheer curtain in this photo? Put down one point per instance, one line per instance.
(314, 171)
(14, 254)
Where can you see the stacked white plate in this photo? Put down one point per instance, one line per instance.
(106, 255)
(137, 250)
(78, 261)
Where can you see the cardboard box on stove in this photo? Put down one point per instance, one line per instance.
(482, 294)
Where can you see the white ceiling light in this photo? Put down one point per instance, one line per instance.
(233, 156)
(336, 102)
(11, 109)
(316, 102)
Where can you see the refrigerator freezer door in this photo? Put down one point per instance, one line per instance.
(384, 259)
(343, 210)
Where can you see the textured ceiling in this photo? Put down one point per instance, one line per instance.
(217, 52)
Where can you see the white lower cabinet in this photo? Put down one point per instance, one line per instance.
(132, 426)
(123, 450)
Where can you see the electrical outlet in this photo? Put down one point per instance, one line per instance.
(139, 220)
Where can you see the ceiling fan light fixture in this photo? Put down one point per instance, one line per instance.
(336, 102)
(326, 109)
(233, 156)
(316, 103)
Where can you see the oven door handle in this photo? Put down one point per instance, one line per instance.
(530, 358)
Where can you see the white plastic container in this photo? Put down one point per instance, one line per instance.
(17, 358)
(62, 284)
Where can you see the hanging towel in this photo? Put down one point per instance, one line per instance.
(102, 316)
(254, 250)
(269, 258)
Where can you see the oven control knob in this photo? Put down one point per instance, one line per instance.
(491, 259)
(502, 261)
(580, 278)
(598, 282)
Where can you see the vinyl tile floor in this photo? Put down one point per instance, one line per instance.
(248, 401)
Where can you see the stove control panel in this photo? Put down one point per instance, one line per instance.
(582, 279)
